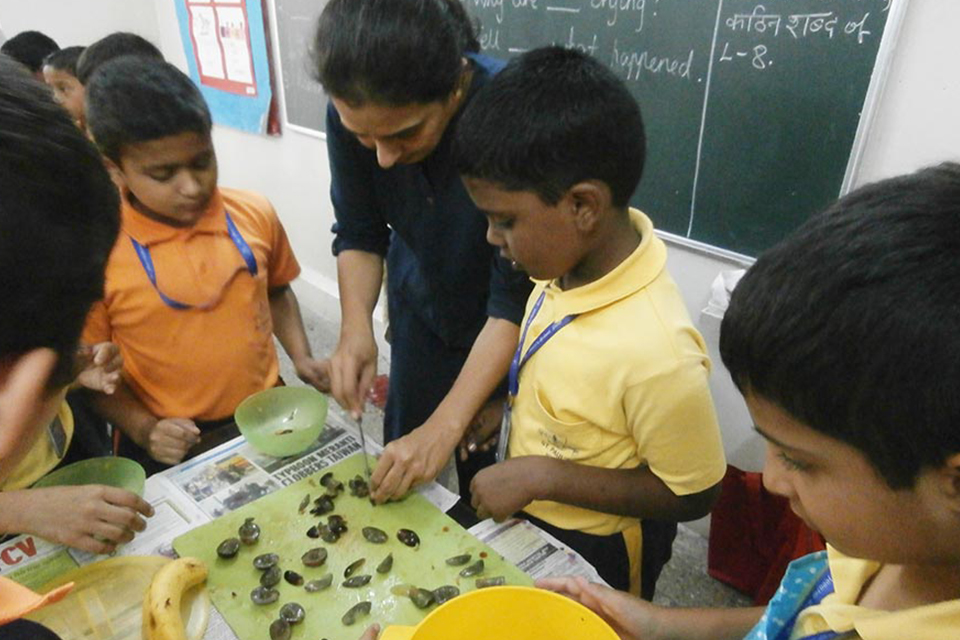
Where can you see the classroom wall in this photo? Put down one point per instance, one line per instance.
(78, 22)
(915, 124)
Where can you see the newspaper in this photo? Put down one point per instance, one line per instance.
(533, 550)
(194, 493)
(234, 474)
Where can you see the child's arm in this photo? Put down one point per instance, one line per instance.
(167, 440)
(288, 327)
(635, 619)
(93, 518)
(503, 489)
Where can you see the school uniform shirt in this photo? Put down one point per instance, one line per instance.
(17, 600)
(201, 362)
(839, 613)
(624, 384)
(442, 269)
(47, 451)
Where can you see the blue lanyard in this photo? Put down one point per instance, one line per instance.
(144, 254)
(519, 359)
(821, 590)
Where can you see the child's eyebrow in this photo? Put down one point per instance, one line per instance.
(771, 439)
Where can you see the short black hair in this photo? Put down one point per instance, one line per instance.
(134, 99)
(552, 118)
(392, 52)
(59, 218)
(64, 60)
(852, 324)
(115, 45)
(29, 48)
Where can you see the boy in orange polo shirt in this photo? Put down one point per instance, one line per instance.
(198, 282)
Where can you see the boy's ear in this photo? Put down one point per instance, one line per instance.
(116, 173)
(589, 201)
(951, 480)
(24, 389)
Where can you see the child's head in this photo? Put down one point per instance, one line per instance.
(113, 46)
(153, 126)
(29, 48)
(395, 71)
(58, 222)
(60, 73)
(549, 149)
(844, 340)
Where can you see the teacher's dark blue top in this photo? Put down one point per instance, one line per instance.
(440, 265)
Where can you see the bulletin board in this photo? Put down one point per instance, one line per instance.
(227, 52)
(304, 101)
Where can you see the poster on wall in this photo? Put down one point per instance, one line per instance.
(227, 55)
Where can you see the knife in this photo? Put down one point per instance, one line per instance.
(363, 447)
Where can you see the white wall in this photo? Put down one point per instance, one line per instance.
(79, 22)
(916, 124)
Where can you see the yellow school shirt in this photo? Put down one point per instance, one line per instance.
(622, 385)
(43, 455)
(838, 613)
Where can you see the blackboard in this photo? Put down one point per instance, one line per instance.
(751, 107)
(304, 102)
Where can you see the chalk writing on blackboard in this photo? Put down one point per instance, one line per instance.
(751, 106)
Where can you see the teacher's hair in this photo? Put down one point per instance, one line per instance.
(391, 52)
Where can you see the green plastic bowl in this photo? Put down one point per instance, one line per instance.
(122, 473)
(282, 421)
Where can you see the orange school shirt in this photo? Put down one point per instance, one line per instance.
(197, 363)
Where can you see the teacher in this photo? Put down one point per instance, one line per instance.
(398, 73)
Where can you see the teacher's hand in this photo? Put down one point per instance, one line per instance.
(353, 367)
(412, 460)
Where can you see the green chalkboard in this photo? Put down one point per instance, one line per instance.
(751, 107)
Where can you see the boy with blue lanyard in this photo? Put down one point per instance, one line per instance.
(843, 340)
(198, 282)
(610, 408)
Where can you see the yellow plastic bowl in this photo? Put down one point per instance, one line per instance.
(122, 473)
(282, 421)
(518, 613)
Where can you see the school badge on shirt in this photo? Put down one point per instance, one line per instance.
(58, 437)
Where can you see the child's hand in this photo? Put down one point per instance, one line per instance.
(371, 633)
(501, 490)
(630, 617)
(93, 518)
(483, 432)
(314, 372)
(100, 367)
(171, 438)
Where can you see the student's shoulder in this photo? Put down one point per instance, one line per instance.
(245, 199)
(249, 206)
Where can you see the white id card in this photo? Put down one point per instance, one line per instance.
(504, 440)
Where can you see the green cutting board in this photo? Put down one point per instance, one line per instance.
(283, 531)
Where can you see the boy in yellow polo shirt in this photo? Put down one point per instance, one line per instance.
(58, 220)
(611, 414)
(843, 340)
(198, 282)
